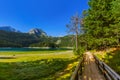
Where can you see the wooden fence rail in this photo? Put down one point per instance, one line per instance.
(109, 73)
(78, 71)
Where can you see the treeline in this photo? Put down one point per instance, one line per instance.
(101, 24)
(53, 42)
(98, 27)
(13, 39)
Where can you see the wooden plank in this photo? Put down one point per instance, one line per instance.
(91, 71)
(111, 72)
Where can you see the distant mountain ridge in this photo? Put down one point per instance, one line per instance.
(8, 29)
(35, 31)
(10, 37)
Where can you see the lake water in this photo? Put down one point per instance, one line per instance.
(31, 49)
(20, 49)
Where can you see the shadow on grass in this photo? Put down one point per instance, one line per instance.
(7, 58)
(113, 60)
(33, 70)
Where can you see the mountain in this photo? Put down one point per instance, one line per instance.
(8, 29)
(37, 32)
(14, 39)
(10, 37)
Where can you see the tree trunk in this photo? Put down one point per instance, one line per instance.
(76, 40)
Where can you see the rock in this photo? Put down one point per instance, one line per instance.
(37, 32)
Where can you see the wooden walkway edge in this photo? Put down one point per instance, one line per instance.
(91, 68)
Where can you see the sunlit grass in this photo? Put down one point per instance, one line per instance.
(112, 59)
(29, 52)
(33, 57)
(37, 65)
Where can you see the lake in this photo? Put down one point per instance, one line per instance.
(32, 49)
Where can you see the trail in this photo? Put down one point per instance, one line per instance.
(91, 71)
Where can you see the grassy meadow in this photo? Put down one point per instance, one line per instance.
(37, 65)
(111, 58)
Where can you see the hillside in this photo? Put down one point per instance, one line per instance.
(13, 39)
(8, 29)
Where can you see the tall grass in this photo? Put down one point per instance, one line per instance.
(54, 66)
(112, 59)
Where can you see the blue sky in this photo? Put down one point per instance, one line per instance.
(48, 15)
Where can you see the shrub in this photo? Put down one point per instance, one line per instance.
(79, 51)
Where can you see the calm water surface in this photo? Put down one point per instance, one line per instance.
(31, 49)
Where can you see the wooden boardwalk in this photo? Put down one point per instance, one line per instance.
(91, 71)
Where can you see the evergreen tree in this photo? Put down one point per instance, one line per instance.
(116, 15)
(98, 24)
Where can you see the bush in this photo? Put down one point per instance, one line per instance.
(79, 51)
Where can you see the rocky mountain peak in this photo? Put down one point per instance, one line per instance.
(37, 32)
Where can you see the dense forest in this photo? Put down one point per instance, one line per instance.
(100, 25)
(14, 39)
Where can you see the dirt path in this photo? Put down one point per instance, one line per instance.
(91, 71)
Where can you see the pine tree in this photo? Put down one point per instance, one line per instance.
(98, 24)
(116, 15)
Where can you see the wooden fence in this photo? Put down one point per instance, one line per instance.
(109, 73)
(78, 71)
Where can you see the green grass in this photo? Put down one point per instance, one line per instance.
(112, 59)
(33, 56)
(41, 66)
(40, 51)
